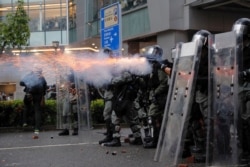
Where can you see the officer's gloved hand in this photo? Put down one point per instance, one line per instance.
(159, 65)
(156, 65)
(163, 66)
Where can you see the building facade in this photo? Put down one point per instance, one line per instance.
(166, 22)
(50, 20)
(144, 22)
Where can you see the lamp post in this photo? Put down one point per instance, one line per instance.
(55, 44)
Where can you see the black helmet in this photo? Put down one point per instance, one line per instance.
(107, 51)
(201, 36)
(242, 27)
(152, 53)
(157, 50)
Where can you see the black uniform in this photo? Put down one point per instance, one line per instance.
(35, 90)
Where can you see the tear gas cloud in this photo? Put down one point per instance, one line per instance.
(93, 68)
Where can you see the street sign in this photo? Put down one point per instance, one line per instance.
(111, 27)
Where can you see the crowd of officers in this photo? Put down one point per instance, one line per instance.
(138, 100)
(141, 101)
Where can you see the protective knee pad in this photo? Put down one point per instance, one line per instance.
(117, 128)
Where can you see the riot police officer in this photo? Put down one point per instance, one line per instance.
(242, 29)
(108, 108)
(196, 131)
(157, 85)
(125, 89)
(69, 98)
(199, 113)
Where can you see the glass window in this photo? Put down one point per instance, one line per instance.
(72, 14)
(37, 39)
(13, 5)
(64, 37)
(3, 15)
(5, 8)
(131, 4)
(52, 15)
(45, 15)
(52, 19)
(53, 36)
(96, 5)
(52, 4)
(36, 19)
(63, 20)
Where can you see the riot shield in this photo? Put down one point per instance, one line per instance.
(62, 98)
(222, 147)
(179, 103)
(84, 116)
(68, 76)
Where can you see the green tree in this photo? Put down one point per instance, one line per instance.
(15, 30)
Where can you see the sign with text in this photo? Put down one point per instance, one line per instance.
(111, 27)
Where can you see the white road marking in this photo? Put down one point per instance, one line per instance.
(44, 146)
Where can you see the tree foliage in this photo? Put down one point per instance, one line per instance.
(15, 30)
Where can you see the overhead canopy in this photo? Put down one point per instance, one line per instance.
(221, 4)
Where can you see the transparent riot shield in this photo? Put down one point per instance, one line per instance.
(222, 147)
(62, 95)
(179, 103)
(84, 116)
(63, 99)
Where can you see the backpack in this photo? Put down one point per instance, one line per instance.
(33, 83)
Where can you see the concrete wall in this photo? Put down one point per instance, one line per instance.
(175, 15)
(159, 15)
(168, 39)
(212, 20)
(80, 22)
(172, 20)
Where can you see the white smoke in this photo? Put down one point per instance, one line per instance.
(102, 69)
(94, 68)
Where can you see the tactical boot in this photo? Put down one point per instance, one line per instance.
(136, 141)
(114, 143)
(109, 136)
(150, 144)
(107, 139)
(75, 132)
(148, 135)
(65, 132)
(147, 139)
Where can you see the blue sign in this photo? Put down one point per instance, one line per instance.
(111, 27)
